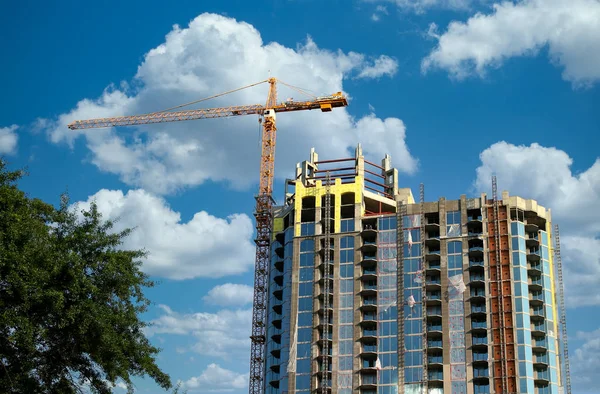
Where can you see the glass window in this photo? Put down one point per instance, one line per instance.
(346, 285)
(345, 363)
(305, 304)
(304, 334)
(453, 217)
(346, 301)
(304, 350)
(346, 316)
(302, 381)
(305, 289)
(454, 247)
(346, 225)
(345, 347)
(455, 262)
(307, 229)
(346, 271)
(347, 242)
(307, 260)
(308, 245)
(346, 256)
(306, 274)
(305, 319)
(345, 332)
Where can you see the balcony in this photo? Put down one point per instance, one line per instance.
(434, 267)
(534, 268)
(434, 330)
(477, 293)
(477, 278)
(369, 351)
(369, 288)
(368, 382)
(434, 344)
(432, 224)
(435, 360)
(532, 240)
(531, 227)
(432, 253)
(540, 345)
(369, 246)
(476, 251)
(433, 240)
(369, 319)
(541, 376)
(538, 329)
(435, 376)
(433, 282)
(536, 298)
(478, 325)
(369, 334)
(481, 373)
(369, 230)
(540, 360)
(537, 313)
(368, 365)
(533, 254)
(535, 283)
(434, 311)
(369, 274)
(433, 297)
(474, 218)
(480, 357)
(479, 342)
(369, 304)
(477, 264)
(279, 250)
(478, 309)
(369, 260)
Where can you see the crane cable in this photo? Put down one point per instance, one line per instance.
(212, 97)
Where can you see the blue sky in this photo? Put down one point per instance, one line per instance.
(454, 90)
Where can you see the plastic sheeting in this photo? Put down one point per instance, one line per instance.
(293, 352)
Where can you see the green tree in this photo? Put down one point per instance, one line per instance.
(69, 299)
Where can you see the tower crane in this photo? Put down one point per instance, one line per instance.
(264, 199)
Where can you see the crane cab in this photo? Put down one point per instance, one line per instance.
(269, 113)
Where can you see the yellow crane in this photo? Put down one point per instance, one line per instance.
(264, 199)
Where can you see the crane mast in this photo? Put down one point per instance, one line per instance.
(264, 227)
(264, 198)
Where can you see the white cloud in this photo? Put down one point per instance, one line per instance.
(205, 246)
(8, 139)
(379, 11)
(229, 294)
(212, 55)
(544, 174)
(383, 66)
(420, 6)
(568, 28)
(223, 334)
(584, 361)
(217, 379)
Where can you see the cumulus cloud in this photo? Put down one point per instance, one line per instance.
(229, 294)
(205, 246)
(379, 11)
(8, 139)
(544, 174)
(217, 379)
(584, 361)
(223, 334)
(212, 55)
(568, 28)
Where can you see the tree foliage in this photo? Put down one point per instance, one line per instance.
(69, 299)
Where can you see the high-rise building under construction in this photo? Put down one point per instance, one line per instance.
(447, 305)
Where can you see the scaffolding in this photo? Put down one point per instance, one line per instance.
(400, 215)
(499, 287)
(563, 312)
(423, 286)
(324, 386)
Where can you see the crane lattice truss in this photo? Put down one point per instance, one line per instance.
(324, 386)
(563, 312)
(264, 199)
(423, 287)
(400, 214)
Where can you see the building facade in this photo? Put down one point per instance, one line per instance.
(447, 305)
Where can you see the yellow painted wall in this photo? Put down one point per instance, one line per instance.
(318, 191)
(553, 291)
(277, 226)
